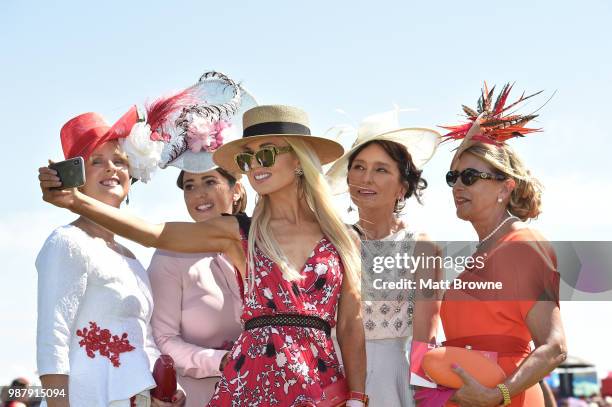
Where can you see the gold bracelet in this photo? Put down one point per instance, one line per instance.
(505, 393)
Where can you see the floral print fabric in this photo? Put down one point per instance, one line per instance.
(282, 365)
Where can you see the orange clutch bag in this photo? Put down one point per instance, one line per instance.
(438, 362)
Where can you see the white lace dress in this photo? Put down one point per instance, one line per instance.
(388, 330)
(94, 308)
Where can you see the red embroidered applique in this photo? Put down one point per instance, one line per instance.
(101, 340)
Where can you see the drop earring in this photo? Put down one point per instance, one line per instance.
(127, 199)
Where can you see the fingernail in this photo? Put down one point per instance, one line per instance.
(454, 366)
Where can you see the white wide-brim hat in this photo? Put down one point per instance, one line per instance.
(220, 99)
(421, 143)
(202, 161)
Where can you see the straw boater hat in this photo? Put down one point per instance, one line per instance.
(491, 123)
(421, 143)
(206, 125)
(276, 120)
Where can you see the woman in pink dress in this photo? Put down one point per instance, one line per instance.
(189, 288)
(298, 262)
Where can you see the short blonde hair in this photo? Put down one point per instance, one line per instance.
(526, 198)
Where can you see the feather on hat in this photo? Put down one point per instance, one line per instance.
(491, 123)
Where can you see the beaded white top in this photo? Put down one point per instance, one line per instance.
(391, 316)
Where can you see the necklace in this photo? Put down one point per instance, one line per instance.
(495, 230)
(393, 230)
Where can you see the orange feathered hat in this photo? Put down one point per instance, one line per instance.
(491, 123)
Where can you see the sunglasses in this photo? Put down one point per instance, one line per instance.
(469, 176)
(266, 157)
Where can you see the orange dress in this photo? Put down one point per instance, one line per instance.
(495, 321)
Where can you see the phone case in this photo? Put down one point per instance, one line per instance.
(71, 172)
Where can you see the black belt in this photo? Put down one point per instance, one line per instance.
(305, 321)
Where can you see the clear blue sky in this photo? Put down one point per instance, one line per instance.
(59, 59)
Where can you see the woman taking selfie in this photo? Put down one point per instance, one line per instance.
(298, 263)
(94, 342)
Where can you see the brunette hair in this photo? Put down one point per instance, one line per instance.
(410, 175)
(237, 206)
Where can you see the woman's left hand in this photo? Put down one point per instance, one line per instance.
(473, 393)
(178, 400)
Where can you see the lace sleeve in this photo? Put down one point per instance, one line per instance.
(62, 280)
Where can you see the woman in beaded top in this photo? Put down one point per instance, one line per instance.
(382, 170)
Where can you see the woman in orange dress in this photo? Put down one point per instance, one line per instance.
(495, 192)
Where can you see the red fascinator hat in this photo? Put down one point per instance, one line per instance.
(82, 134)
(141, 133)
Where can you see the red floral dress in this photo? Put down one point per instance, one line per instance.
(283, 365)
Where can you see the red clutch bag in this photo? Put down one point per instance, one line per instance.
(334, 395)
(165, 378)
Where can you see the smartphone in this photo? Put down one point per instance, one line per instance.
(71, 172)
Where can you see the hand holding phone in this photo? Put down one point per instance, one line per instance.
(71, 172)
(53, 191)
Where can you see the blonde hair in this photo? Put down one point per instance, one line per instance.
(526, 198)
(317, 194)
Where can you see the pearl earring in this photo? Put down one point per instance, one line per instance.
(499, 200)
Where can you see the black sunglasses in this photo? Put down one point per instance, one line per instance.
(469, 176)
(266, 157)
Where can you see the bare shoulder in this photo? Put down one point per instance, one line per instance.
(425, 244)
(423, 237)
(223, 226)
